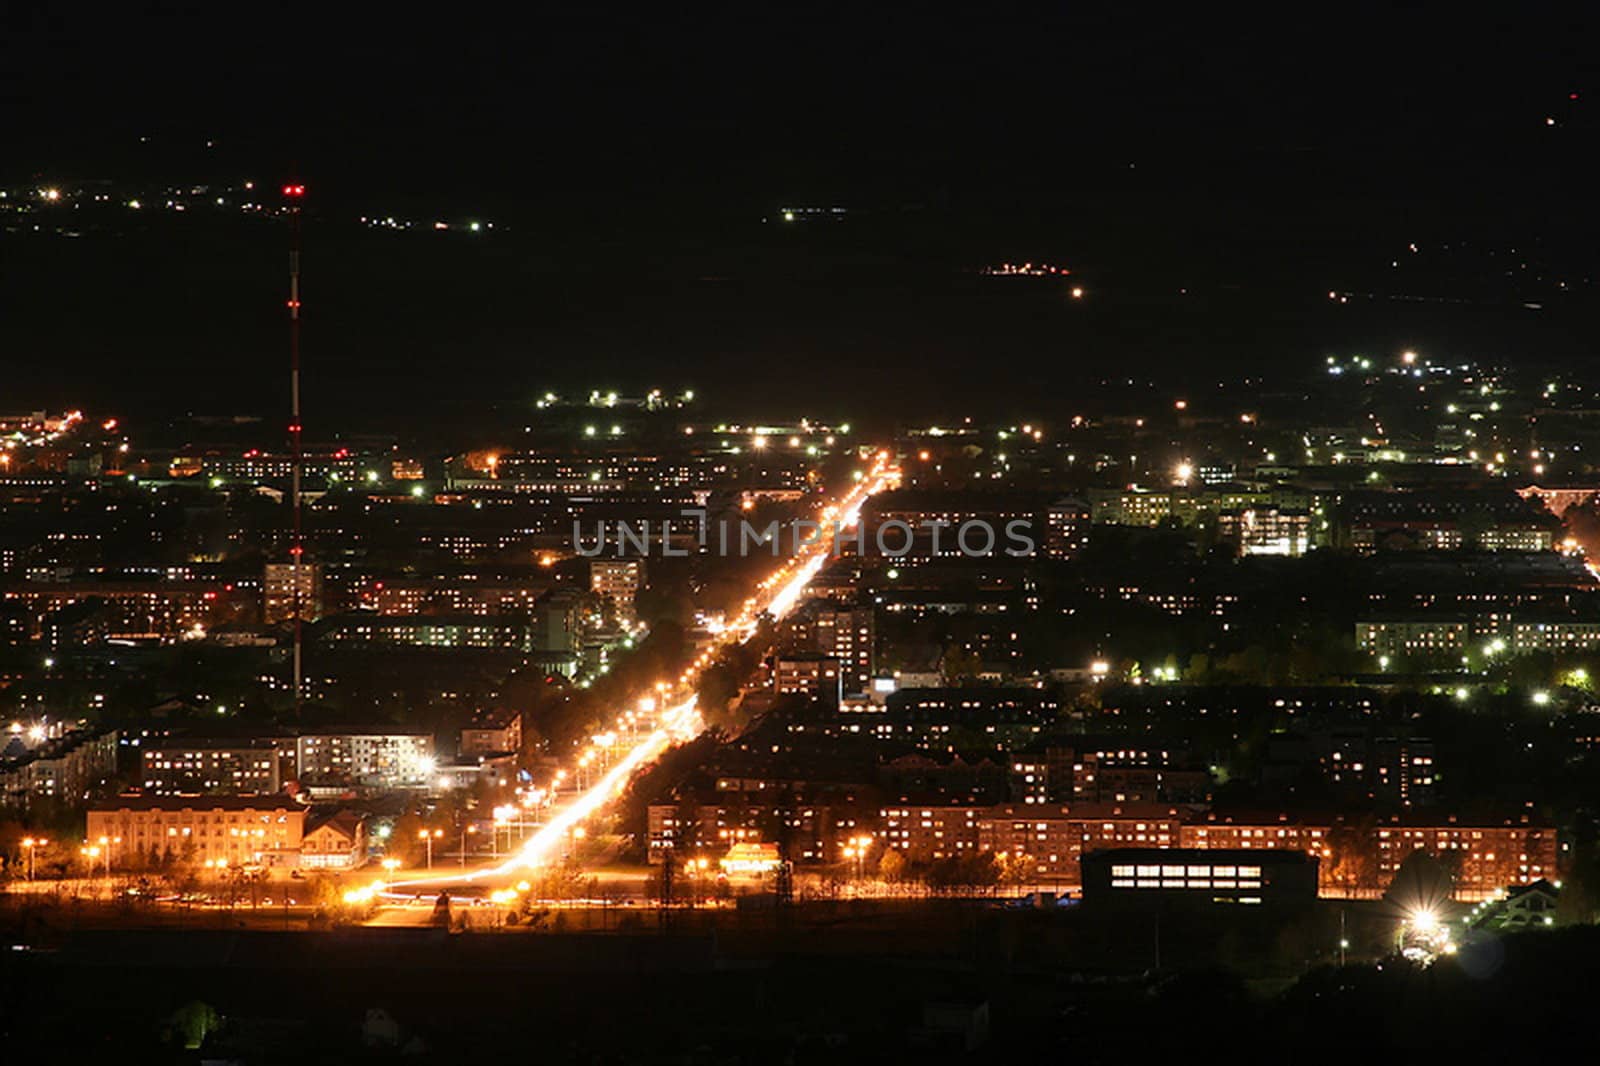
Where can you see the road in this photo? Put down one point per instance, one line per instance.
(669, 716)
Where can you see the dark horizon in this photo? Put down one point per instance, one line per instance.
(1209, 184)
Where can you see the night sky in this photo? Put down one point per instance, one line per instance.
(1209, 181)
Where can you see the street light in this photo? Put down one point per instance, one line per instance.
(428, 838)
(856, 849)
(31, 845)
(503, 816)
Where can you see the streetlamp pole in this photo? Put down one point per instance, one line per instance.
(427, 838)
(32, 845)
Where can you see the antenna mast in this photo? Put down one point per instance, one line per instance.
(294, 193)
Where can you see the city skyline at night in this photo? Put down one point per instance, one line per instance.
(798, 534)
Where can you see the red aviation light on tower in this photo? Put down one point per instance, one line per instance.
(294, 192)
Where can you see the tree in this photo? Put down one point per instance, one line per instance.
(1014, 869)
(960, 664)
(190, 1024)
(1421, 884)
(892, 866)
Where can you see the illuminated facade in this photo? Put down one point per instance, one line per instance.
(844, 633)
(923, 834)
(174, 767)
(334, 842)
(1267, 531)
(1184, 875)
(1052, 839)
(813, 829)
(376, 759)
(459, 596)
(223, 831)
(288, 587)
(1357, 858)
(494, 632)
(66, 768)
(617, 581)
(1360, 858)
(1422, 636)
(817, 676)
(492, 732)
(1483, 857)
(1066, 530)
(143, 610)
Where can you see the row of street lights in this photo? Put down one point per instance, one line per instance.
(90, 852)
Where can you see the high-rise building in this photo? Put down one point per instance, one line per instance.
(846, 634)
(617, 581)
(288, 586)
(558, 624)
(1067, 522)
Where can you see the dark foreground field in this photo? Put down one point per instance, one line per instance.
(826, 983)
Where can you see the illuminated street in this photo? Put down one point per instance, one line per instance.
(679, 721)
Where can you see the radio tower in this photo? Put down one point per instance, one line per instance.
(294, 194)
